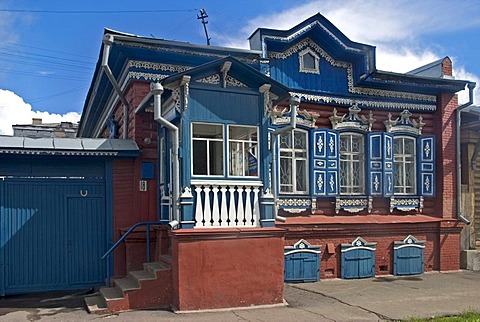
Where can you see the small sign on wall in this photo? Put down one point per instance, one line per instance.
(143, 185)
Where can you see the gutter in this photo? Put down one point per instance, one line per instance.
(156, 89)
(108, 42)
(471, 86)
(294, 103)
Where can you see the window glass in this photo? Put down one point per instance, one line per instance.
(293, 162)
(207, 152)
(308, 61)
(352, 164)
(404, 165)
(243, 151)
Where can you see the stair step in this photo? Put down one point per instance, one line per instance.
(95, 305)
(111, 293)
(126, 284)
(142, 275)
(155, 266)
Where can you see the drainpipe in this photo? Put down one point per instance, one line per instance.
(156, 89)
(294, 103)
(471, 86)
(108, 42)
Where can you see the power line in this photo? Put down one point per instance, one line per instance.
(44, 98)
(44, 49)
(95, 11)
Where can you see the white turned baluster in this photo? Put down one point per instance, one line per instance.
(256, 207)
(223, 208)
(231, 209)
(248, 208)
(198, 209)
(207, 212)
(240, 209)
(216, 208)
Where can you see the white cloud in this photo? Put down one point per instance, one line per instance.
(383, 24)
(13, 110)
(463, 96)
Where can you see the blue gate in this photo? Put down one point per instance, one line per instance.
(408, 256)
(358, 259)
(302, 262)
(53, 234)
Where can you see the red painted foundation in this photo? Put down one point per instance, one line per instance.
(224, 268)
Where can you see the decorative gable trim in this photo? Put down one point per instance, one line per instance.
(330, 99)
(212, 79)
(307, 28)
(231, 81)
(307, 42)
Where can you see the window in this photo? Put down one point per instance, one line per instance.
(309, 61)
(293, 162)
(352, 164)
(243, 151)
(207, 152)
(404, 165)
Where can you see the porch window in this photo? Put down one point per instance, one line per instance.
(352, 164)
(404, 165)
(207, 156)
(293, 162)
(243, 151)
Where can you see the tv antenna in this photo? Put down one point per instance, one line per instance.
(203, 15)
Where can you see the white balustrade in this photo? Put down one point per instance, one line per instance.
(226, 204)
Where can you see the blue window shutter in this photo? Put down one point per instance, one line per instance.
(426, 165)
(325, 162)
(375, 164)
(388, 180)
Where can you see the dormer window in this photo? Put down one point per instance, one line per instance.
(309, 61)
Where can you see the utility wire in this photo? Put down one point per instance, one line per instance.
(44, 98)
(96, 11)
(44, 49)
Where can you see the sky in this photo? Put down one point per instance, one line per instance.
(48, 49)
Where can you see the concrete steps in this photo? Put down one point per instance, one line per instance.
(146, 289)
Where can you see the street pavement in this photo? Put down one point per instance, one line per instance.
(388, 298)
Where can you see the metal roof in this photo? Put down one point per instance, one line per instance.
(68, 146)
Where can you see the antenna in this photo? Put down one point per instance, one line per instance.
(202, 15)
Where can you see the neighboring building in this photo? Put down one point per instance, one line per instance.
(294, 160)
(46, 130)
(470, 187)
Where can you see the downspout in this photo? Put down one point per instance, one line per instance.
(156, 89)
(471, 86)
(294, 103)
(108, 42)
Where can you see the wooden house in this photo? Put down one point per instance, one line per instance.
(293, 160)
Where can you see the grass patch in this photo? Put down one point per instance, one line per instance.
(468, 316)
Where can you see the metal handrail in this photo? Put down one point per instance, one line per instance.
(128, 232)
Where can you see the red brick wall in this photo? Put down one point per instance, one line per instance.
(445, 203)
(384, 235)
(224, 268)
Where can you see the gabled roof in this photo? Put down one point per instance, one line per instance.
(322, 32)
(237, 69)
(433, 69)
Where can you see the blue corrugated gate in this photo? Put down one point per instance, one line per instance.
(53, 232)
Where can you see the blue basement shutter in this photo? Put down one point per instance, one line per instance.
(426, 165)
(388, 182)
(325, 162)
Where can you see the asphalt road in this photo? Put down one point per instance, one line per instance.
(374, 299)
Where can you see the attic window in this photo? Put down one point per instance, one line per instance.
(309, 61)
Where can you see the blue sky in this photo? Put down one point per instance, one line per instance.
(48, 49)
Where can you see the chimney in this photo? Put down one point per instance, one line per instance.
(36, 121)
